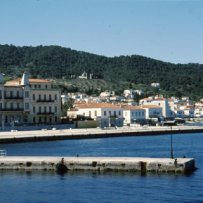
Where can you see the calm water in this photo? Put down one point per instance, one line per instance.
(47, 187)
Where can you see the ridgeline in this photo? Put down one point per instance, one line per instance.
(134, 71)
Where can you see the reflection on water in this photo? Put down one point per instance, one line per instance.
(48, 186)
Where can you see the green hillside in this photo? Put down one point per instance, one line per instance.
(115, 72)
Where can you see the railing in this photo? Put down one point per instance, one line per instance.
(12, 109)
(13, 97)
(45, 113)
(2, 152)
(45, 100)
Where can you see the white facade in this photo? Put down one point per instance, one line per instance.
(155, 84)
(107, 114)
(163, 103)
(102, 110)
(152, 111)
(133, 113)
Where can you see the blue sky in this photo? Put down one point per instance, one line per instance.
(168, 30)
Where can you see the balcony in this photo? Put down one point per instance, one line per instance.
(45, 100)
(45, 113)
(13, 97)
(12, 109)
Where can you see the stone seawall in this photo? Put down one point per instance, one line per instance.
(48, 135)
(125, 164)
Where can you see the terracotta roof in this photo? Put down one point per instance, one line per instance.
(97, 105)
(132, 108)
(32, 80)
(12, 83)
(17, 81)
(150, 106)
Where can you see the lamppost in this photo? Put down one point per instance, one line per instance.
(171, 144)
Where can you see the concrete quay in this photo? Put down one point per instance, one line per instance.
(62, 134)
(102, 164)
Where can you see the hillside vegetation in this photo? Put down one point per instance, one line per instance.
(115, 72)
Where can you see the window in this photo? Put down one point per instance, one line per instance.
(55, 119)
(55, 96)
(40, 109)
(50, 97)
(27, 106)
(104, 113)
(109, 113)
(27, 94)
(39, 86)
(33, 96)
(95, 113)
(11, 93)
(39, 97)
(45, 97)
(50, 109)
(119, 113)
(35, 86)
(55, 109)
(45, 109)
(0, 105)
(34, 120)
(114, 113)
(0, 94)
(17, 94)
(89, 113)
(143, 113)
(25, 119)
(11, 105)
(33, 109)
(46, 86)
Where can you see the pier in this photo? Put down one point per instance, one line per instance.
(101, 164)
(15, 136)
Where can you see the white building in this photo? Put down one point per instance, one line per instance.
(189, 111)
(152, 111)
(83, 76)
(107, 93)
(133, 113)
(155, 84)
(160, 102)
(107, 114)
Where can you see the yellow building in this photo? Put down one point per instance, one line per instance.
(28, 101)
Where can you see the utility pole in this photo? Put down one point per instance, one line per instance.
(171, 144)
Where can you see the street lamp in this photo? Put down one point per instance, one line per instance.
(171, 144)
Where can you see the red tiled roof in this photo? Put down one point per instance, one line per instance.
(17, 81)
(150, 106)
(132, 108)
(97, 105)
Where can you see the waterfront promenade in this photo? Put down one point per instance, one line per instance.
(54, 134)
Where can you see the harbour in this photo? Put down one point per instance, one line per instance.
(118, 186)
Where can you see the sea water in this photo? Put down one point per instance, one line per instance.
(48, 187)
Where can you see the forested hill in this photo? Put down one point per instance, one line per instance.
(58, 62)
